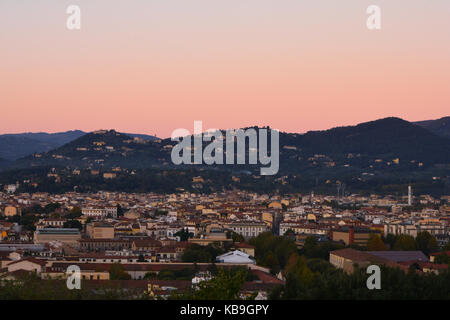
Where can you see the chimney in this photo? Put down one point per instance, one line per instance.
(351, 235)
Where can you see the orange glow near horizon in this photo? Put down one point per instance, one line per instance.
(151, 67)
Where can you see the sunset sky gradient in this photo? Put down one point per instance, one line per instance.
(151, 66)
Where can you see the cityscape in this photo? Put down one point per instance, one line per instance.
(214, 159)
(101, 240)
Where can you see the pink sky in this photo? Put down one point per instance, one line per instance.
(154, 66)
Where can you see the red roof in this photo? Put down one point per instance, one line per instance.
(435, 266)
(243, 245)
(266, 277)
(441, 253)
(32, 260)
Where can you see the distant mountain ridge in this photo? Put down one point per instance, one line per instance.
(15, 146)
(101, 148)
(376, 145)
(441, 126)
(383, 138)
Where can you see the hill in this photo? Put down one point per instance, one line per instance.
(440, 127)
(385, 144)
(378, 156)
(142, 136)
(102, 148)
(385, 139)
(4, 163)
(15, 146)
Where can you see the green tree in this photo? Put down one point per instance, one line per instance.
(271, 262)
(224, 286)
(32, 287)
(446, 247)
(150, 276)
(120, 210)
(314, 249)
(74, 213)
(405, 243)
(184, 234)
(289, 233)
(426, 243)
(273, 251)
(375, 243)
(304, 283)
(198, 253)
(309, 246)
(28, 221)
(236, 237)
(443, 258)
(52, 207)
(390, 240)
(117, 272)
(73, 224)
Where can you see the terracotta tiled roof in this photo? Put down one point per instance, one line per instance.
(33, 260)
(266, 277)
(441, 253)
(243, 245)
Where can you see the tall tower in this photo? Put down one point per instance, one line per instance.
(409, 196)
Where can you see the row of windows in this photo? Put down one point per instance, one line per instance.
(248, 228)
(105, 260)
(91, 277)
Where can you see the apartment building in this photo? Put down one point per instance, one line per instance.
(248, 229)
(352, 235)
(65, 235)
(100, 230)
(99, 212)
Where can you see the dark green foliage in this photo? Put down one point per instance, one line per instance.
(375, 243)
(166, 274)
(51, 207)
(120, 210)
(426, 243)
(313, 280)
(117, 272)
(224, 286)
(405, 243)
(74, 213)
(443, 258)
(31, 287)
(184, 235)
(273, 251)
(73, 224)
(236, 237)
(26, 220)
(313, 249)
(198, 253)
